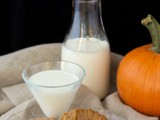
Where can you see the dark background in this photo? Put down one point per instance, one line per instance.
(26, 23)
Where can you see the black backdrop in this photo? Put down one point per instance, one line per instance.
(26, 23)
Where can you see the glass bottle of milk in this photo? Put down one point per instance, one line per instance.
(86, 44)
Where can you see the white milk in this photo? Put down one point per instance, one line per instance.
(95, 58)
(54, 101)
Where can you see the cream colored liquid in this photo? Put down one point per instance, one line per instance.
(95, 58)
(54, 101)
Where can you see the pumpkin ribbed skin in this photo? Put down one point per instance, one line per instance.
(138, 80)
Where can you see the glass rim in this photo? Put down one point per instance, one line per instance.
(53, 61)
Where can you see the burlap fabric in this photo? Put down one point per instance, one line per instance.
(17, 103)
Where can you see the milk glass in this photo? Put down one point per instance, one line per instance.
(86, 43)
(54, 85)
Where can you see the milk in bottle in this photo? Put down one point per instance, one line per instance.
(86, 44)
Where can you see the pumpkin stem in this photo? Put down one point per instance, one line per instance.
(154, 28)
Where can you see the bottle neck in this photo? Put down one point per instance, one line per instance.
(87, 21)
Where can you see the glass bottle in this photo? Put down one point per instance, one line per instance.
(86, 44)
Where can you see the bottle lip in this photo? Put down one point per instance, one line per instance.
(87, 1)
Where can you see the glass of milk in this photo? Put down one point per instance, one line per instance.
(54, 85)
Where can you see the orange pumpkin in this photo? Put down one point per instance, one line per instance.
(138, 75)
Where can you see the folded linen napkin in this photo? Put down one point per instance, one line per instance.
(17, 103)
